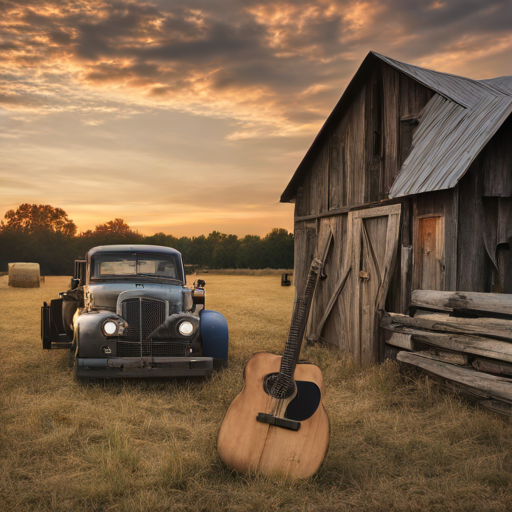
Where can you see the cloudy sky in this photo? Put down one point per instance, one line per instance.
(191, 116)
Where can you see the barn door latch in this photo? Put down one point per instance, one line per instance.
(364, 276)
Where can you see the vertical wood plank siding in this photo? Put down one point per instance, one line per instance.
(346, 171)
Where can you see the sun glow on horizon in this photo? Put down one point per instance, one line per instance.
(191, 114)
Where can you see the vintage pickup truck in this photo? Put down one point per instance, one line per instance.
(129, 313)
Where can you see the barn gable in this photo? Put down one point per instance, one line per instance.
(460, 117)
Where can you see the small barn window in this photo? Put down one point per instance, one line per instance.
(407, 126)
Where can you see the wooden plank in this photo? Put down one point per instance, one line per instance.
(328, 309)
(451, 241)
(349, 208)
(489, 366)
(472, 265)
(354, 242)
(497, 327)
(325, 238)
(391, 93)
(488, 302)
(393, 209)
(405, 278)
(371, 275)
(445, 357)
(390, 255)
(496, 387)
(299, 203)
(401, 340)
(487, 347)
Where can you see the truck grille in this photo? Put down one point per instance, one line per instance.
(143, 317)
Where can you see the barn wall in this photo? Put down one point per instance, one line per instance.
(485, 218)
(496, 163)
(360, 158)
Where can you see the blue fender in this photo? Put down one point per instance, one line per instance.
(215, 335)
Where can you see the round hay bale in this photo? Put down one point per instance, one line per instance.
(24, 275)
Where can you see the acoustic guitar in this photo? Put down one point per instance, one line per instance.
(278, 425)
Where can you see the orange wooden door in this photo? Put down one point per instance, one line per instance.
(429, 254)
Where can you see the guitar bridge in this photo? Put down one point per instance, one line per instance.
(278, 422)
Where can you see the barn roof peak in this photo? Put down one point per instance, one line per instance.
(454, 127)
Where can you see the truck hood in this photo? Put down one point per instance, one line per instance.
(105, 295)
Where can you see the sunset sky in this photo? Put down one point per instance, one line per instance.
(191, 116)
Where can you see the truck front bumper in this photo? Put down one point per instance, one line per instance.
(145, 367)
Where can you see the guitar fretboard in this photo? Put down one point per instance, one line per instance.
(285, 384)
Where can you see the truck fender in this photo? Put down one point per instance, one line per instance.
(215, 335)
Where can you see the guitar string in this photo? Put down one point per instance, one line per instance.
(284, 386)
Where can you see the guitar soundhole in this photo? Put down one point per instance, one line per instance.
(305, 403)
(278, 386)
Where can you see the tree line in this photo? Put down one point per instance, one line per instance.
(45, 235)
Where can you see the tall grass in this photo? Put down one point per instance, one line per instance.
(397, 443)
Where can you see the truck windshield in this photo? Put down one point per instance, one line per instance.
(163, 266)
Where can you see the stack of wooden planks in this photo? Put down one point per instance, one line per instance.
(464, 339)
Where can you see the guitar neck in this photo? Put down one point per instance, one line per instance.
(298, 323)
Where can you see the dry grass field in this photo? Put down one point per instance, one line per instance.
(397, 443)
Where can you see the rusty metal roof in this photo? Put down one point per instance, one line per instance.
(453, 128)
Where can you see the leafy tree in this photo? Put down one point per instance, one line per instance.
(225, 252)
(32, 218)
(44, 234)
(251, 252)
(279, 248)
(115, 228)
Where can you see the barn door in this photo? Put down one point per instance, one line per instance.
(374, 248)
(357, 290)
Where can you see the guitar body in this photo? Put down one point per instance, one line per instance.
(245, 444)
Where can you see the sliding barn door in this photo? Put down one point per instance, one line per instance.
(374, 235)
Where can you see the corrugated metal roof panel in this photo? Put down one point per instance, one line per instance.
(462, 90)
(502, 84)
(447, 140)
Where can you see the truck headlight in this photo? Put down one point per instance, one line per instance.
(109, 328)
(186, 328)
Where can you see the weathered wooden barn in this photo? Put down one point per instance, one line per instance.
(407, 186)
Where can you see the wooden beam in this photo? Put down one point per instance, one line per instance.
(349, 208)
(405, 277)
(490, 302)
(489, 366)
(400, 340)
(486, 347)
(497, 327)
(330, 305)
(445, 356)
(496, 387)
